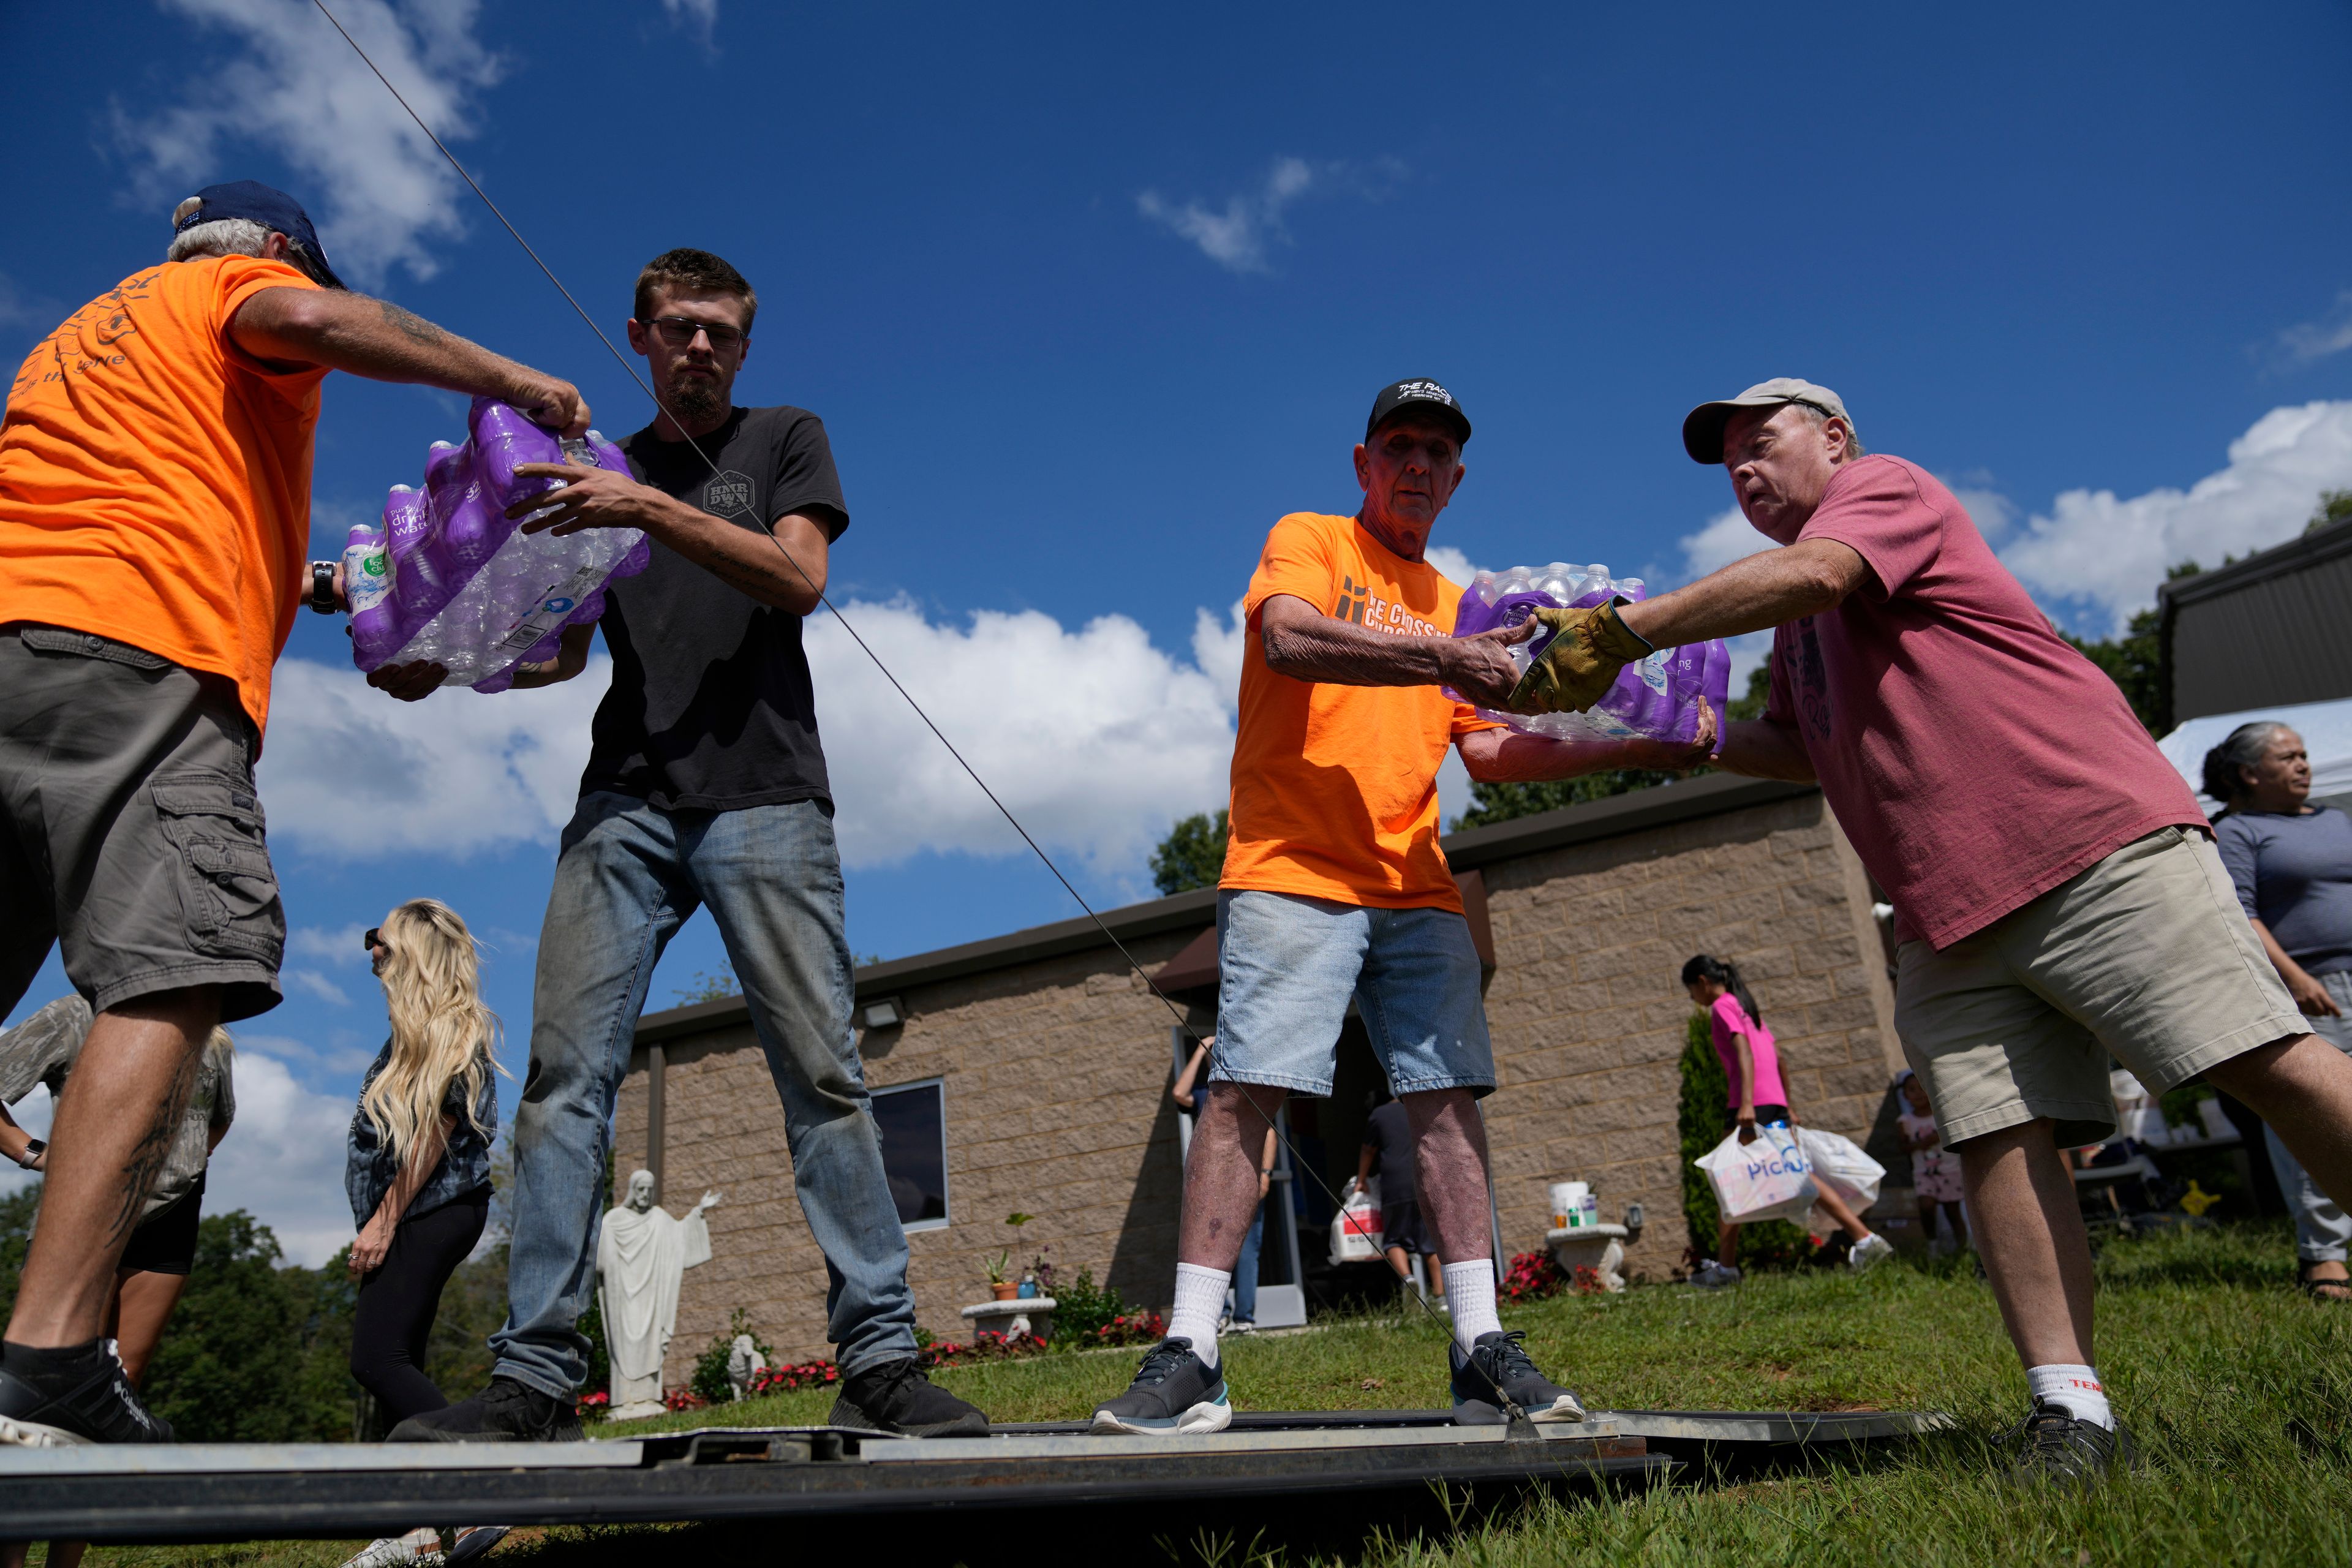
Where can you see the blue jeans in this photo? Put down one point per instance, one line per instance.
(628, 876)
(1246, 1268)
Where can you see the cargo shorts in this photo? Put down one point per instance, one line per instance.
(130, 829)
(2147, 957)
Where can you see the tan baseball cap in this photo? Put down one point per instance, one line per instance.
(1702, 426)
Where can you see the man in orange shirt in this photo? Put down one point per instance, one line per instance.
(155, 504)
(1334, 887)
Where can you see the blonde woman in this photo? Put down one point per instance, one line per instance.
(419, 1172)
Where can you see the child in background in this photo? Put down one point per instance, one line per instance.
(1751, 1068)
(1935, 1169)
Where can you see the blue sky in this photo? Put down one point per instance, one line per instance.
(1089, 296)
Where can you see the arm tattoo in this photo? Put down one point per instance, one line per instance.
(415, 328)
(154, 1148)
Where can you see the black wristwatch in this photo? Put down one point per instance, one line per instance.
(322, 587)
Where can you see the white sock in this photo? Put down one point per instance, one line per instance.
(1470, 1298)
(1200, 1302)
(2074, 1389)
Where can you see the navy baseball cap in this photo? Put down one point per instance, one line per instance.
(1421, 396)
(273, 209)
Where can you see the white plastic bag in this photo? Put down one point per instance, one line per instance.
(1840, 1169)
(1768, 1179)
(1356, 1228)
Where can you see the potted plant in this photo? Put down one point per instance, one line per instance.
(1000, 1268)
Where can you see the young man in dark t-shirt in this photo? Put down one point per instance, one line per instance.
(706, 786)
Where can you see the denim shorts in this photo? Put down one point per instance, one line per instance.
(1287, 966)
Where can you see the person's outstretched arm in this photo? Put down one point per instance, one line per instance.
(338, 329)
(1508, 756)
(1302, 642)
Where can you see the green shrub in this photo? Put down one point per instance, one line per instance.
(1080, 1309)
(1776, 1244)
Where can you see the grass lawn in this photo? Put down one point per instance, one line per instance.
(2235, 1384)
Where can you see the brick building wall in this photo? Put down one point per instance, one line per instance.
(1054, 1066)
(1588, 1012)
(1054, 1072)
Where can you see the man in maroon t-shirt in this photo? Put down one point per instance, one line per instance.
(2057, 895)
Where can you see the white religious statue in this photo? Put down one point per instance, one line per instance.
(641, 1258)
(744, 1362)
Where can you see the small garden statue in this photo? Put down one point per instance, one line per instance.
(744, 1364)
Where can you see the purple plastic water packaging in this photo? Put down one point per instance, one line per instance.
(468, 589)
(1655, 697)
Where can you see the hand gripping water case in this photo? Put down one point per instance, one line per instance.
(452, 580)
(1657, 697)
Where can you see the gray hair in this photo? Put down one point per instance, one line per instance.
(2243, 748)
(1821, 416)
(238, 236)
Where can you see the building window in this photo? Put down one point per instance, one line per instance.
(914, 1123)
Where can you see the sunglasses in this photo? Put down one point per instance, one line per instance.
(678, 331)
(374, 940)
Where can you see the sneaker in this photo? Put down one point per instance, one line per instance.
(1174, 1391)
(506, 1411)
(418, 1546)
(92, 1402)
(1870, 1250)
(1499, 1360)
(2056, 1447)
(896, 1396)
(473, 1539)
(1713, 1276)
(1240, 1326)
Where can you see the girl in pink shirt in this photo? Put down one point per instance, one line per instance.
(1751, 1070)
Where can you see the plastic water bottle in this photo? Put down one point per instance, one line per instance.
(367, 569)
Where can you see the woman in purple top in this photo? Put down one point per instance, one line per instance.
(2290, 863)
(1751, 1070)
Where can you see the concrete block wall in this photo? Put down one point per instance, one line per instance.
(1588, 1012)
(1054, 1075)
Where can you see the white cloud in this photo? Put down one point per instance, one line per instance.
(2113, 553)
(283, 1160)
(337, 947)
(330, 1058)
(1728, 537)
(1452, 564)
(1217, 649)
(699, 17)
(351, 771)
(2331, 335)
(380, 193)
(317, 985)
(18, 308)
(1093, 737)
(1236, 238)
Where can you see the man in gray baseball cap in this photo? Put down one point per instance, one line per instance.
(2057, 895)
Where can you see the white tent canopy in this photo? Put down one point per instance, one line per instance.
(2326, 729)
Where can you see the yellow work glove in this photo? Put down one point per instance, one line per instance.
(1581, 662)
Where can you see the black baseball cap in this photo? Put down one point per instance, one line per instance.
(1409, 396)
(264, 204)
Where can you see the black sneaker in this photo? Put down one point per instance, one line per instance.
(91, 1403)
(506, 1411)
(897, 1397)
(2056, 1447)
(1498, 1359)
(1174, 1391)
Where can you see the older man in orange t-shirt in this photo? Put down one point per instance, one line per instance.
(154, 507)
(1335, 888)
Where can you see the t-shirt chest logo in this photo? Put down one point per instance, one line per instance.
(1359, 604)
(727, 494)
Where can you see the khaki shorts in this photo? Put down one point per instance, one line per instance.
(2147, 956)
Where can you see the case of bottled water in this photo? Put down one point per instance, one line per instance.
(1655, 697)
(450, 579)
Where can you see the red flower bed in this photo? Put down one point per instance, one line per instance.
(683, 1399)
(1534, 1275)
(1133, 1328)
(787, 1379)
